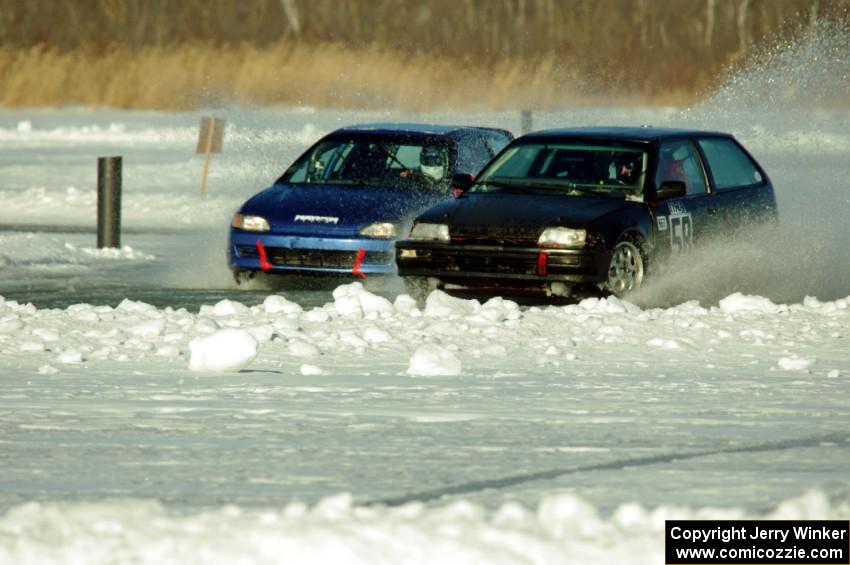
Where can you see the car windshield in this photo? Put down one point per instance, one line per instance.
(393, 163)
(570, 167)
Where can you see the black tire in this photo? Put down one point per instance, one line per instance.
(628, 267)
(419, 288)
(242, 277)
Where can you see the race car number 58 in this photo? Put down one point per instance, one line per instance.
(681, 232)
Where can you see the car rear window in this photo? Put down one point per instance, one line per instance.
(730, 166)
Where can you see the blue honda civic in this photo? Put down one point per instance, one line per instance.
(338, 209)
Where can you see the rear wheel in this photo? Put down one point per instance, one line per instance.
(627, 268)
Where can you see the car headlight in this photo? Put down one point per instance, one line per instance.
(249, 223)
(432, 232)
(380, 230)
(562, 237)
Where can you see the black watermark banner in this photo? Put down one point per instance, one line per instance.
(757, 542)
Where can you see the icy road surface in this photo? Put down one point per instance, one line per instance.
(565, 431)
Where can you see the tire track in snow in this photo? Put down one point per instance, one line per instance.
(840, 438)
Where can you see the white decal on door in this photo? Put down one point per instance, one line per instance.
(681, 232)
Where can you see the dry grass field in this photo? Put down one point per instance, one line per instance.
(386, 53)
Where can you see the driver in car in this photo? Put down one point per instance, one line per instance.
(432, 165)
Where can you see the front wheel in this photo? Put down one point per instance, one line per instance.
(419, 288)
(626, 270)
(243, 277)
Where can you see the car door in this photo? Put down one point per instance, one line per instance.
(682, 222)
(741, 189)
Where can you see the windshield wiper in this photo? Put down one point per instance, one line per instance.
(504, 185)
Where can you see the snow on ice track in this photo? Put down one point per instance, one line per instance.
(599, 381)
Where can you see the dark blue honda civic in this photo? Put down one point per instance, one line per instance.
(579, 208)
(340, 206)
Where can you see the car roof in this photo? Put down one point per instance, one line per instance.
(638, 133)
(409, 129)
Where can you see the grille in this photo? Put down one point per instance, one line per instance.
(500, 235)
(504, 262)
(315, 257)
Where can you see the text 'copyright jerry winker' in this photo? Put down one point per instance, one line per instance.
(757, 542)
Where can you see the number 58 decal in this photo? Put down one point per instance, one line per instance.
(681, 232)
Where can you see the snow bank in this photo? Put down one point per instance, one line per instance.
(563, 529)
(449, 337)
(40, 250)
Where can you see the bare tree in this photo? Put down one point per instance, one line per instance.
(290, 10)
(710, 5)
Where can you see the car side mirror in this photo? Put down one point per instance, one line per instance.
(461, 183)
(671, 189)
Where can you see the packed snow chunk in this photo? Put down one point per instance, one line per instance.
(71, 356)
(495, 311)
(794, 363)
(376, 335)
(354, 300)
(149, 329)
(262, 333)
(663, 343)
(317, 315)
(47, 370)
(405, 304)
(300, 348)
(125, 252)
(433, 360)
(12, 325)
(225, 350)
(563, 514)
(607, 305)
(441, 305)
(133, 306)
(309, 370)
(834, 374)
(228, 308)
(276, 304)
(743, 303)
(167, 351)
(205, 326)
(46, 334)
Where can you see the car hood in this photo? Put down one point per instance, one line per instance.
(339, 210)
(526, 210)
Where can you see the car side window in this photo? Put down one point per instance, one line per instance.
(472, 154)
(495, 143)
(679, 161)
(730, 166)
(315, 165)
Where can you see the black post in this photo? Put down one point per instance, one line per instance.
(525, 122)
(108, 202)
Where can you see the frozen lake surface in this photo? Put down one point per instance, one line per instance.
(355, 427)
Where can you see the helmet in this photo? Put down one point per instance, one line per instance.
(628, 171)
(432, 163)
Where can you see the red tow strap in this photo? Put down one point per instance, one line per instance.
(264, 259)
(542, 262)
(355, 270)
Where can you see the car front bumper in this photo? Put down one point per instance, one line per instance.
(316, 255)
(500, 266)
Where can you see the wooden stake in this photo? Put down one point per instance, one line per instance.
(207, 153)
